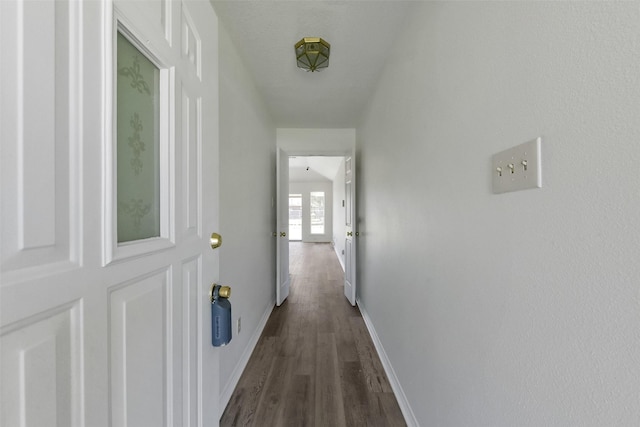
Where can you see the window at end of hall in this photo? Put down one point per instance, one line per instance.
(317, 212)
(295, 216)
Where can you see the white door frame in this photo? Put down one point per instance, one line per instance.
(316, 153)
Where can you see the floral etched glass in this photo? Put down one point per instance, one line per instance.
(138, 143)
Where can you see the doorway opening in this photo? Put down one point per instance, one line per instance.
(316, 194)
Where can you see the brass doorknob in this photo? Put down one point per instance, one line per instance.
(283, 234)
(215, 241)
(224, 291)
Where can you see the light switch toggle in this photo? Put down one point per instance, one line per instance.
(517, 168)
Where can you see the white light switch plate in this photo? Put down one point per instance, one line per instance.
(517, 168)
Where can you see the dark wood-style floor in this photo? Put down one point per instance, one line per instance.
(315, 363)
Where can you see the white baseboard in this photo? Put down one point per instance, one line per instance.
(227, 390)
(407, 412)
(339, 257)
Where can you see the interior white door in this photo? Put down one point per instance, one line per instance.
(96, 330)
(196, 36)
(351, 231)
(283, 280)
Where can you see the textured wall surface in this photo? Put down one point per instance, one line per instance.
(247, 184)
(316, 141)
(520, 309)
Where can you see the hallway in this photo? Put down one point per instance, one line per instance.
(315, 363)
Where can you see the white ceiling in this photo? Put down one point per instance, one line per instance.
(361, 34)
(313, 168)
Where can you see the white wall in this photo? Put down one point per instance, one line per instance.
(316, 141)
(519, 309)
(339, 229)
(305, 188)
(247, 218)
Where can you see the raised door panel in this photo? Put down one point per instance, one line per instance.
(42, 369)
(141, 331)
(192, 89)
(39, 174)
(191, 45)
(192, 381)
(191, 147)
(158, 14)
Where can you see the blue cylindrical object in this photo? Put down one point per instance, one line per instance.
(220, 322)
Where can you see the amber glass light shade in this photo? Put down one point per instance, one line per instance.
(312, 53)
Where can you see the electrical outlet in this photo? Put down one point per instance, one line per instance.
(239, 324)
(517, 168)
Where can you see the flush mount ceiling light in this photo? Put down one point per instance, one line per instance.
(312, 53)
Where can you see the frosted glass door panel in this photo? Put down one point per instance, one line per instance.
(138, 146)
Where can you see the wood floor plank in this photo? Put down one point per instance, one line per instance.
(315, 363)
(329, 402)
(392, 413)
(354, 394)
(306, 351)
(300, 408)
(274, 396)
(244, 401)
(372, 367)
(366, 408)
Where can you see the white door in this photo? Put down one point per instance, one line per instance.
(282, 218)
(104, 314)
(351, 231)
